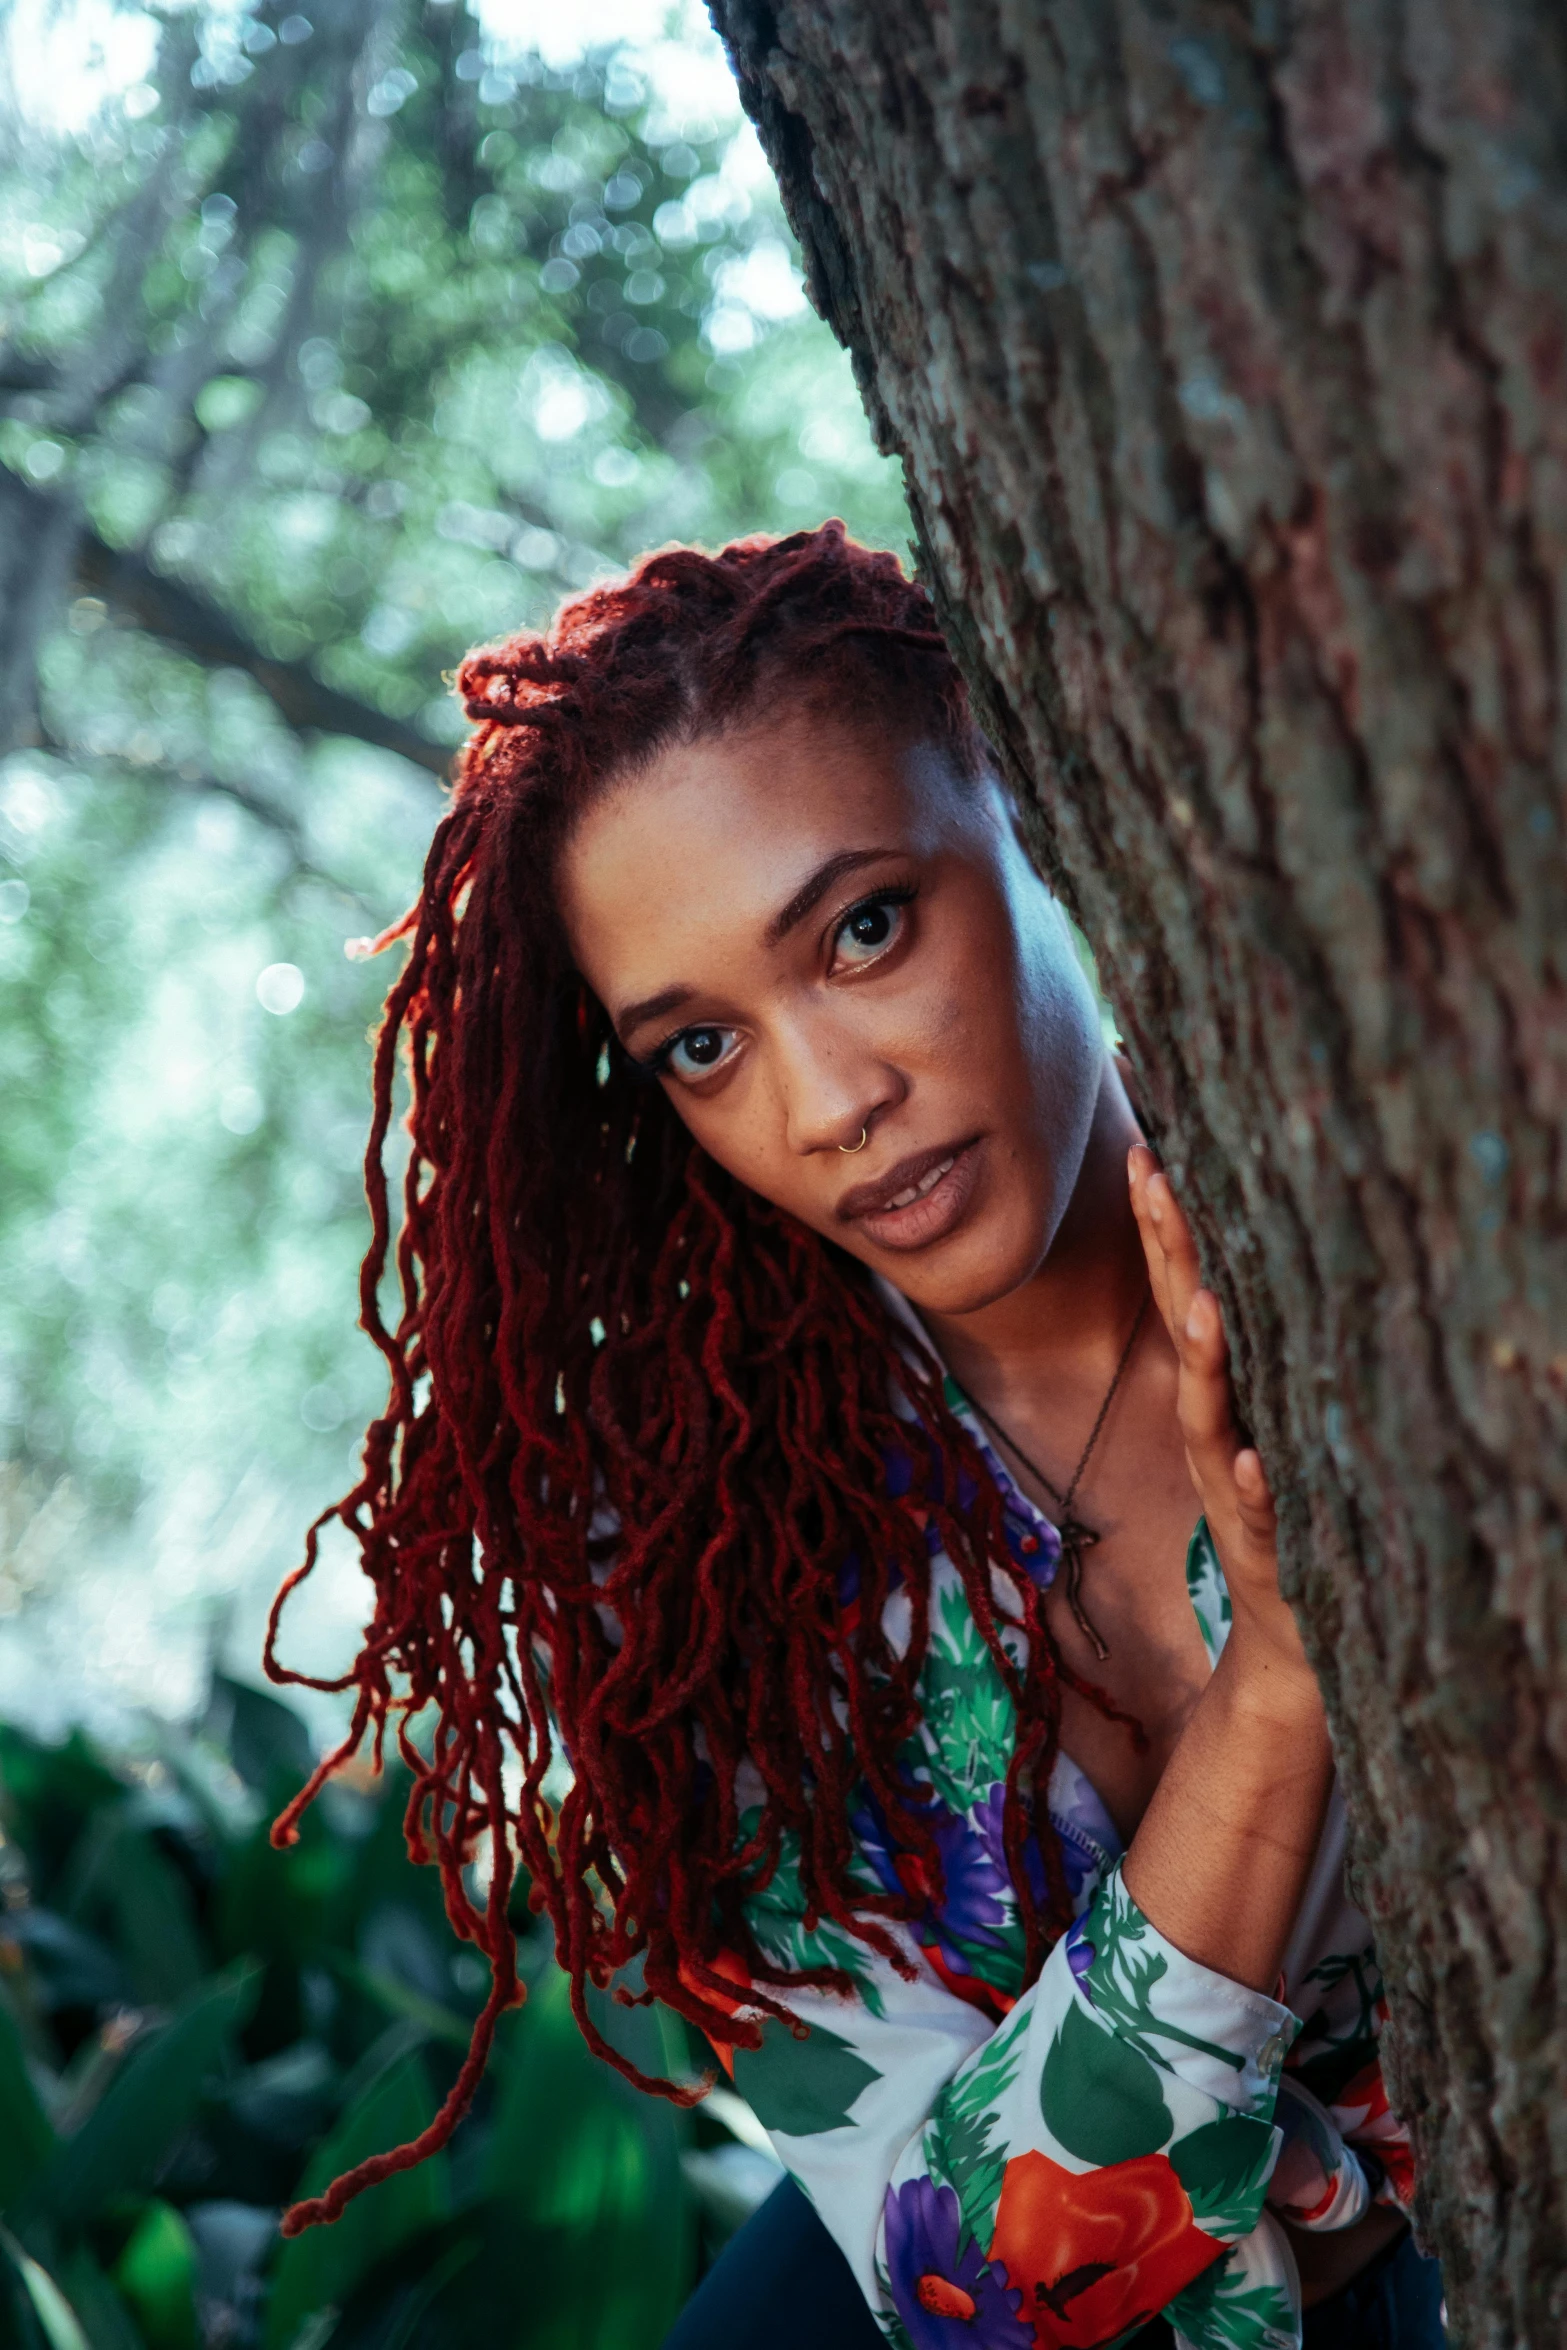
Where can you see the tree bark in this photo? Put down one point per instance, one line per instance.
(1225, 349)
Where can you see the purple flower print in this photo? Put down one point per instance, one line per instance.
(975, 1892)
(1082, 1862)
(947, 2300)
(1080, 1956)
(1033, 1542)
(978, 1890)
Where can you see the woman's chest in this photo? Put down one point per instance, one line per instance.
(1130, 1597)
(1156, 1671)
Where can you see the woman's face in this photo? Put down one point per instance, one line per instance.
(811, 934)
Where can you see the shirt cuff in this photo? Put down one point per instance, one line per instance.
(1216, 2035)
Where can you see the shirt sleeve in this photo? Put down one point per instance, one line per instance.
(1319, 2181)
(1343, 2146)
(1056, 2180)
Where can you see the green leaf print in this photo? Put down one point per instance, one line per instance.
(1121, 1982)
(1224, 2168)
(1208, 1591)
(1219, 2311)
(1328, 2058)
(1101, 2100)
(969, 1720)
(801, 2087)
(957, 2142)
(776, 1916)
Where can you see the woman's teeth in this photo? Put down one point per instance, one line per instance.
(906, 1199)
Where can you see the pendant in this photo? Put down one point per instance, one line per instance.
(1075, 1539)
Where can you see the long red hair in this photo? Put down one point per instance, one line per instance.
(641, 1421)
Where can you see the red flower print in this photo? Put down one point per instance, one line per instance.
(1098, 2251)
(1362, 2112)
(728, 1964)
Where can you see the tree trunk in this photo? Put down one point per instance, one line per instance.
(1225, 347)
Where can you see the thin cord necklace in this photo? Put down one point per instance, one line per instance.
(1075, 1536)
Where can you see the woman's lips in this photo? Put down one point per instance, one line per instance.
(918, 1201)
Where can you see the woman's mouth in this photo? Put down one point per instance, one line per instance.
(917, 1201)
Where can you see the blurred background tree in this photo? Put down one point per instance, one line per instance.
(333, 343)
(333, 339)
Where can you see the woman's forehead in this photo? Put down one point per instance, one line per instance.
(718, 834)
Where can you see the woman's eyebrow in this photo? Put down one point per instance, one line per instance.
(652, 1007)
(811, 893)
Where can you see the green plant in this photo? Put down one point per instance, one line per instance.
(195, 2028)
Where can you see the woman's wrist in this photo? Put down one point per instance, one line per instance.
(1223, 1852)
(1270, 1679)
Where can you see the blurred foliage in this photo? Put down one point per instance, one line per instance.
(333, 337)
(195, 2028)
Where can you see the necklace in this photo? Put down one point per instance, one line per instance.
(1075, 1536)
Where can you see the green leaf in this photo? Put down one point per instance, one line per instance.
(1126, 1973)
(963, 2118)
(1208, 1591)
(591, 2170)
(970, 1722)
(275, 1904)
(58, 2321)
(50, 1792)
(156, 2273)
(124, 2140)
(396, 1999)
(266, 1741)
(27, 2143)
(801, 2087)
(123, 1886)
(1221, 2311)
(776, 1916)
(544, 2069)
(105, 2318)
(323, 2267)
(1101, 2100)
(1224, 2168)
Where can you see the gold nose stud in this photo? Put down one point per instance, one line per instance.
(850, 1147)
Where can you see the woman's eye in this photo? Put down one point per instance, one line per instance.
(869, 929)
(697, 1052)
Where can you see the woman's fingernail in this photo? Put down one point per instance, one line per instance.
(1197, 1316)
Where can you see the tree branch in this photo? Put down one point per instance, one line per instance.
(254, 803)
(183, 617)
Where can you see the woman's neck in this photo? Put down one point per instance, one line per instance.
(1072, 1318)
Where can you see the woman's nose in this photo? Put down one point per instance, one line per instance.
(833, 1099)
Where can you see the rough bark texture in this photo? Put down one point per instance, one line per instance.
(1227, 351)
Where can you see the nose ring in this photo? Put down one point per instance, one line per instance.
(850, 1147)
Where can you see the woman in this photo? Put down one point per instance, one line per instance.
(782, 1432)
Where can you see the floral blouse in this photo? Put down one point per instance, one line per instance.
(1008, 2168)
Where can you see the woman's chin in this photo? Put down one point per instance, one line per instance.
(973, 1269)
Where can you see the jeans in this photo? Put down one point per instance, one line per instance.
(782, 2284)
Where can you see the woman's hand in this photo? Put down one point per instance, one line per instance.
(1226, 1846)
(1228, 1475)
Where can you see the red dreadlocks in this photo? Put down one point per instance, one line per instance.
(639, 1419)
